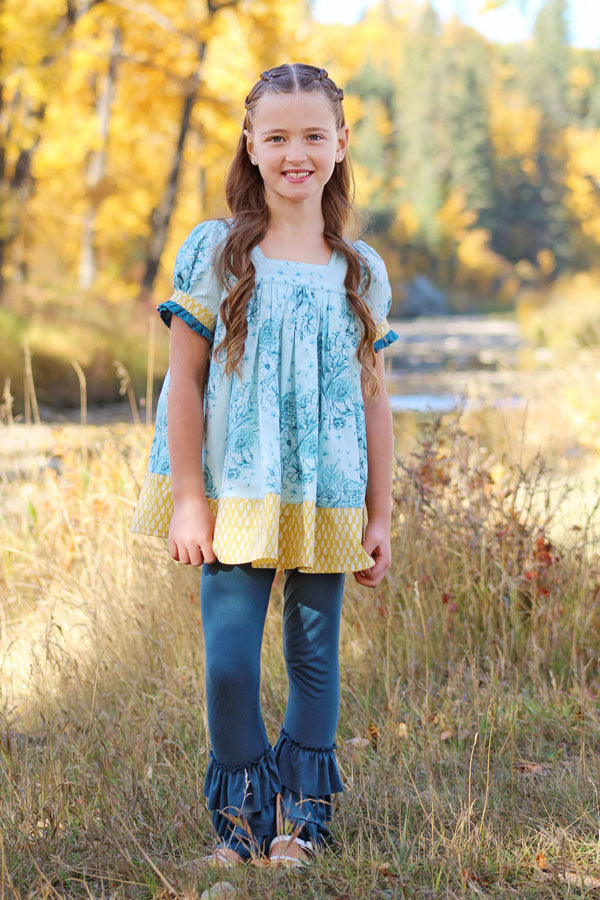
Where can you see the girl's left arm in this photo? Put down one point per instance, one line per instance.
(380, 457)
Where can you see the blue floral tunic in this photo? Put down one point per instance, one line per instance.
(284, 453)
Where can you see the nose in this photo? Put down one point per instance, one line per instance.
(296, 152)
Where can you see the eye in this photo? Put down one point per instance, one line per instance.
(319, 136)
(275, 137)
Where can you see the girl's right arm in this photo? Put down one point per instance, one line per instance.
(192, 525)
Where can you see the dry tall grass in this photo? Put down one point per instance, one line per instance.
(472, 671)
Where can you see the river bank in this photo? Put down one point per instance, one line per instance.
(519, 402)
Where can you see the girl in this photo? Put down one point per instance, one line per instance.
(269, 455)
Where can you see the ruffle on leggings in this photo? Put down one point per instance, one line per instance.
(246, 791)
(312, 770)
(247, 787)
(309, 776)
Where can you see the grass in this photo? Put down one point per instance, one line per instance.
(62, 324)
(563, 315)
(472, 672)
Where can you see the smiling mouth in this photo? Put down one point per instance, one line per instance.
(298, 174)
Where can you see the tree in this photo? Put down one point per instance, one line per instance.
(31, 47)
(424, 155)
(465, 94)
(548, 70)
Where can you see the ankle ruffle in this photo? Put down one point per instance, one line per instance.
(245, 788)
(311, 770)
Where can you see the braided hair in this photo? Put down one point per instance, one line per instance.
(270, 74)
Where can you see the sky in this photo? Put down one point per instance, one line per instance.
(508, 24)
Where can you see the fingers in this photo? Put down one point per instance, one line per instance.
(373, 552)
(367, 582)
(179, 552)
(195, 555)
(371, 577)
(190, 537)
(191, 554)
(184, 556)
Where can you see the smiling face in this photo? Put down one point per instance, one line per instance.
(296, 144)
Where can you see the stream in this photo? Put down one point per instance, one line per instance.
(439, 361)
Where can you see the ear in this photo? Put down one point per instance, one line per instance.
(343, 137)
(249, 143)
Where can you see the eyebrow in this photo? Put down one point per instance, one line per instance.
(283, 130)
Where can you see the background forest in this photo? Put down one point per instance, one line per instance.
(469, 730)
(476, 164)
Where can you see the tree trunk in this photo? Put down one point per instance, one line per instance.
(16, 188)
(161, 214)
(96, 170)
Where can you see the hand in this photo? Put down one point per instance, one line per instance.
(378, 545)
(191, 533)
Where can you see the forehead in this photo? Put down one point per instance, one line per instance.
(291, 112)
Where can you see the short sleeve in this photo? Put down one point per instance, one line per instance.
(196, 296)
(379, 296)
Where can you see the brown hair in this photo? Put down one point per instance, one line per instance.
(244, 190)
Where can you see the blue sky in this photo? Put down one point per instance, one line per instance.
(507, 24)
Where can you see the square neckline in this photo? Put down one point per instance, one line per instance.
(293, 262)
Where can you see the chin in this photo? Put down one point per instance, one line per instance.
(295, 195)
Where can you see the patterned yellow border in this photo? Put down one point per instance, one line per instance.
(196, 308)
(381, 329)
(265, 531)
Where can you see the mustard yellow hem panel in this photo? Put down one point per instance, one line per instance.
(265, 531)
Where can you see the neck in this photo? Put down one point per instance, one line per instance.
(303, 217)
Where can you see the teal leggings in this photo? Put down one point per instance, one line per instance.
(248, 782)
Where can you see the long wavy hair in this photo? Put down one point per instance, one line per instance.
(245, 193)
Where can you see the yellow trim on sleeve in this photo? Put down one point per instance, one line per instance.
(196, 308)
(381, 329)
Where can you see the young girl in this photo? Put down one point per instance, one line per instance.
(270, 454)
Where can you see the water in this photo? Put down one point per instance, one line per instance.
(423, 402)
(437, 364)
(440, 363)
(448, 402)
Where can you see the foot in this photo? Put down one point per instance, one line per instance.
(224, 857)
(291, 851)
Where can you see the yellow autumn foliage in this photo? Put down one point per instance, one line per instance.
(479, 263)
(454, 216)
(583, 178)
(94, 97)
(514, 124)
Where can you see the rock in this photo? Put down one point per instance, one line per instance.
(219, 890)
(423, 298)
(353, 747)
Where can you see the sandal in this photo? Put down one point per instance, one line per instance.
(305, 847)
(224, 857)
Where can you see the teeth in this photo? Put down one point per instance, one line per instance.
(296, 174)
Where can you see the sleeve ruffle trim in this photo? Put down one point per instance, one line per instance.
(385, 341)
(247, 787)
(313, 770)
(169, 309)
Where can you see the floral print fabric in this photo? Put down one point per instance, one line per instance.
(293, 424)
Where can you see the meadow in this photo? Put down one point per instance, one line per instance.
(468, 739)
